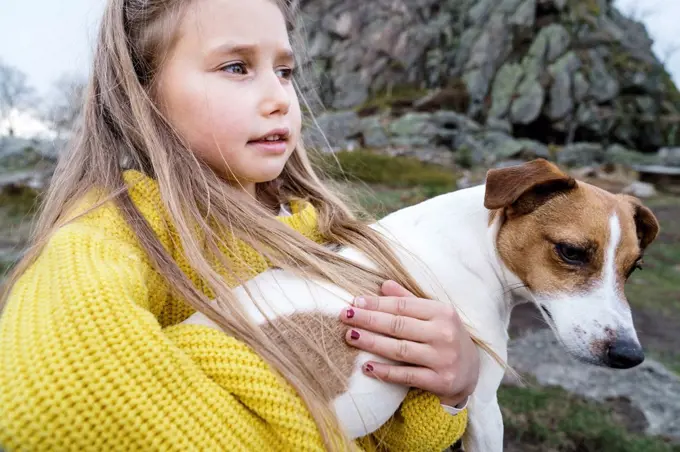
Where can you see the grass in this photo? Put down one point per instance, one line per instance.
(656, 288)
(382, 184)
(17, 205)
(16, 213)
(550, 419)
(669, 358)
(379, 200)
(393, 172)
(657, 285)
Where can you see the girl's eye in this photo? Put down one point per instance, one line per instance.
(285, 73)
(235, 68)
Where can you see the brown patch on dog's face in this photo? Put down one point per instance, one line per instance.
(527, 244)
(329, 334)
(575, 223)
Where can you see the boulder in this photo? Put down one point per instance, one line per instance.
(528, 103)
(373, 132)
(669, 156)
(640, 190)
(504, 86)
(339, 128)
(580, 154)
(617, 154)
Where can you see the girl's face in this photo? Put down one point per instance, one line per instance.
(226, 87)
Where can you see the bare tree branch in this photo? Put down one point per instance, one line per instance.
(639, 13)
(15, 93)
(65, 105)
(669, 52)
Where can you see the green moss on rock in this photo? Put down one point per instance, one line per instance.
(397, 95)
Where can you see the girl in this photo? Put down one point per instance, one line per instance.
(187, 176)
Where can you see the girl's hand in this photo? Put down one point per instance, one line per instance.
(426, 334)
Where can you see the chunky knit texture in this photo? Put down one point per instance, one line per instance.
(93, 356)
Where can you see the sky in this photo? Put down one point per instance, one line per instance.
(47, 38)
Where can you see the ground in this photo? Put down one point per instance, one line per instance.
(536, 419)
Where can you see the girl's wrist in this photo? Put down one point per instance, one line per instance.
(454, 407)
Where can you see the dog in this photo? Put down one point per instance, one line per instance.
(530, 233)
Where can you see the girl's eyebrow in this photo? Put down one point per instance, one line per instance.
(249, 50)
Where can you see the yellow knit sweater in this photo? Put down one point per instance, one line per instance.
(92, 357)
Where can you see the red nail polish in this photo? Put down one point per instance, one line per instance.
(354, 335)
(368, 367)
(350, 313)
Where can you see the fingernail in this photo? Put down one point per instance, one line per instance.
(350, 313)
(368, 367)
(354, 335)
(360, 302)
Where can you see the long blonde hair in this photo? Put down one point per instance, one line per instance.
(122, 128)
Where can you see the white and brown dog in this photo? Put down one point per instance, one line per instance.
(531, 233)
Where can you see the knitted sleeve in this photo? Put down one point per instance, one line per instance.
(86, 366)
(420, 425)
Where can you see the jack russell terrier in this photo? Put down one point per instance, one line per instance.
(530, 234)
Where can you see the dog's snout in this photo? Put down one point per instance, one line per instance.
(624, 353)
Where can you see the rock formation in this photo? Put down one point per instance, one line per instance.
(552, 71)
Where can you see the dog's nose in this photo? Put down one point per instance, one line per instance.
(624, 353)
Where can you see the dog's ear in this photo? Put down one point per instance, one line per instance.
(522, 188)
(646, 224)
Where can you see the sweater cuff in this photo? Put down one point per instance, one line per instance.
(422, 424)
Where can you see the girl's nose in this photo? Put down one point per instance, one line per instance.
(275, 96)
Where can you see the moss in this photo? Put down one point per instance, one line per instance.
(464, 157)
(395, 172)
(593, 8)
(585, 9)
(622, 60)
(552, 419)
(671, 89)
(400, 94)
(17, 206)
(673, 135)
(553, 150)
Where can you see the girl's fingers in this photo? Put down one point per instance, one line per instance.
(395, 349)
(391, 288)
(418, 308)
(418, 377)
(397, 326)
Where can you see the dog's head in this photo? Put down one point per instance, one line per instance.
(574, 246)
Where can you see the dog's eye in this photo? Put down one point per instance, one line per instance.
(571, 254)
